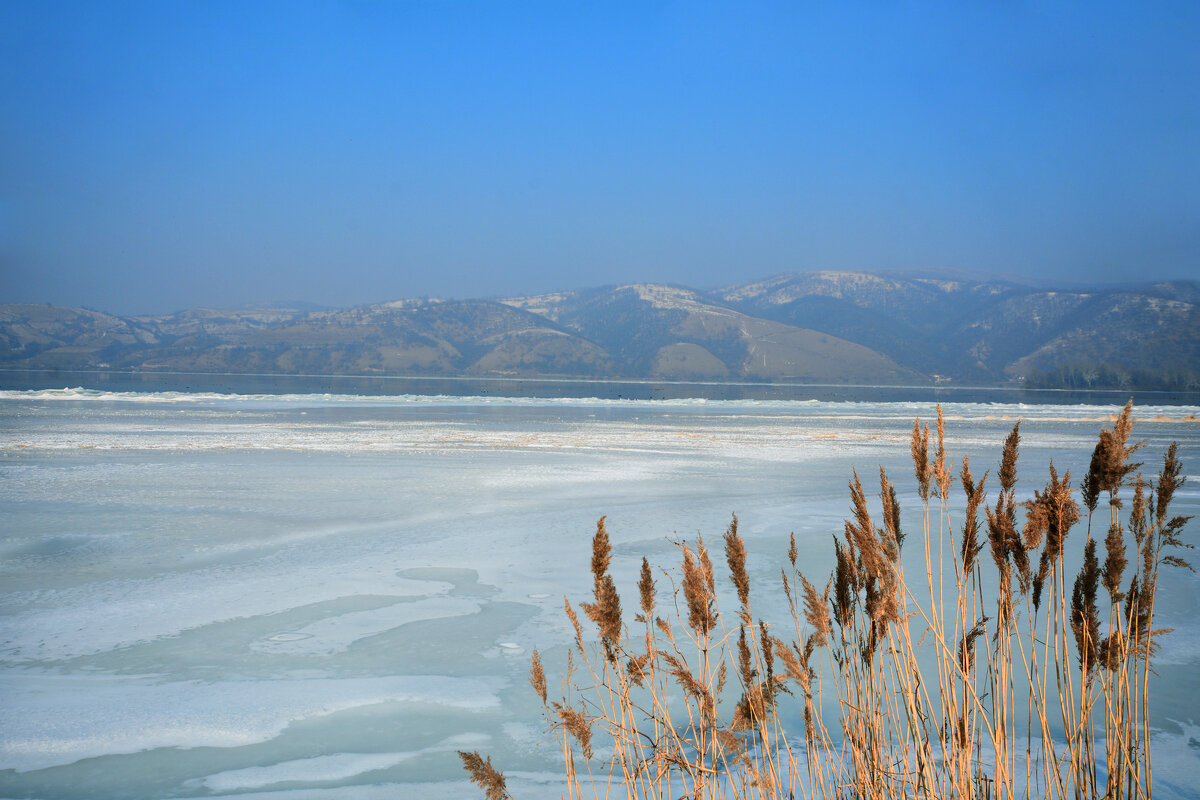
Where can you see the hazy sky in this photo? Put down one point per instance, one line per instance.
(161, 155)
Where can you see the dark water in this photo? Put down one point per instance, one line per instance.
(567, 388)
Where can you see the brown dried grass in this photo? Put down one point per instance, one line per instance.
(934, 687)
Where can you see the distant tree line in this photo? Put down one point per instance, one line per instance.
(1100, 375)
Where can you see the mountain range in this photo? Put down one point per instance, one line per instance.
(828, 327)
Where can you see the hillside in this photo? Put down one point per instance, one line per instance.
(835, 327)
(990, 331)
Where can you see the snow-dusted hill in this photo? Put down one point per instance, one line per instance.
(852, 327)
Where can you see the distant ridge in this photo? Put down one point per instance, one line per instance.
(920, 326)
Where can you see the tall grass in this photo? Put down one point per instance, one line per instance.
(968, 664)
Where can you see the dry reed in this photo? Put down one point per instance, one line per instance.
(941, 681)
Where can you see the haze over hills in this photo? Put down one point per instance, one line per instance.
(838, 327)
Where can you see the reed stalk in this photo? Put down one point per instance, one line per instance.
(952, 683)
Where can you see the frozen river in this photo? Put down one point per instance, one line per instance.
(324, 596)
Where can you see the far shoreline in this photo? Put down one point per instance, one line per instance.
(564, 387)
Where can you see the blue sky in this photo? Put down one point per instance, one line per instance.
(161, 155)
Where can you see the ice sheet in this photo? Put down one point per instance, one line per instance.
(296, 552)
(110, 615)
(47, 720)
(337, 634)
(308, 770)
(323, 769)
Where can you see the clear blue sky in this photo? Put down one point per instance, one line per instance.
(161, 155)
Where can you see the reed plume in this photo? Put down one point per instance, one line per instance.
(1085, 618)
(1008, 461)
(920, 457)
(735, 558)
(698, 589)
(605, 612)
(537, 676)
(646, 590)
(484, 774)
(932, 693)
(970, 528)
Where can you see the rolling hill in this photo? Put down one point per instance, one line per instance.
(828, 327)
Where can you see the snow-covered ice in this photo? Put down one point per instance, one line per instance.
(327, 595)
